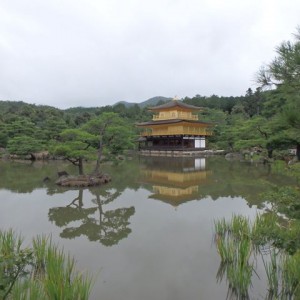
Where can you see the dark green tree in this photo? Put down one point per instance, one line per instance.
(24, 145)
(284, 69)
(114, 135)
(283, 73)
(76, 146)
(252, 102)
(21, 127)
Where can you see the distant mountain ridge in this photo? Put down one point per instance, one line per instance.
(150, 102)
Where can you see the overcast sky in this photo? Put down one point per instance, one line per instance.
(68, 53)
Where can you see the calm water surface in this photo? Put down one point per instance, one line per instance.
(149, 233)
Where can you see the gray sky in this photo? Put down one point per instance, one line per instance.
(68, 53)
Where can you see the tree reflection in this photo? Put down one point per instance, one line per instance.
(225, 178)
(108, 227)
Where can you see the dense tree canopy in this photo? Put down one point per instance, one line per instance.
(283, 73)
(76, 145)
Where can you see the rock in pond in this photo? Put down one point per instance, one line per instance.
(83, 180)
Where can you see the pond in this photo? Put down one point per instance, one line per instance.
(149, 233)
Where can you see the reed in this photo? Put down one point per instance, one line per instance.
(226, 249)
(265, 229)
(222, 270)
(221, 227)
(238, 239)
(239, 273)
(243, 252)
(39, 246)
(233, 238)
(61, 279)
(239, 278)
(41, 272)
(240, 227)
(28, 289)
(234, 247)
(10, 243)
(273, 272)
(290, 274)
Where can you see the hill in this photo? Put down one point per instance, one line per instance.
(150, 102)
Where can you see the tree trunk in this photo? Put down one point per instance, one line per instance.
(99, 156)
(270, 152)
(298, 151)
(80, 166)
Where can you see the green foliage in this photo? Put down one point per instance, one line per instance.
(224, 104)
(233, 242)
(75, 145)
(285, 200)
(40, 272)
(238, 242)
(284, 68)
(13, 261)
(284, 235)
(113, 132)
(272, 268)
(283, 73)
(291, 274)
(18, 119)
(265, 228)
(24, 145)
(252, 103)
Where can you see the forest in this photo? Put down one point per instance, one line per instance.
(265, 117)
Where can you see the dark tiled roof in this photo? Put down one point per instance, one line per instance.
(175, 103)
(173, 121)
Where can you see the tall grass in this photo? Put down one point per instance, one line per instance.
(221, 227)
(61, 280)
(28, 289)
(226, 249)
(234, 247)
(41, 272)
(272, 268)
(239, 278)
(240, 227)
(13, 261)
(39, 246)
(238, 240)
(290, 275)
(264, 229)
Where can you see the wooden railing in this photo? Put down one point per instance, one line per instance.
(179, 131)
(176, 116)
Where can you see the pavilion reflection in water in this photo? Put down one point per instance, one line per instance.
(174, 180)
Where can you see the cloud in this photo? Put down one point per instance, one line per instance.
(94, 53)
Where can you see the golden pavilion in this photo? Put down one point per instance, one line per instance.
(174, 126)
